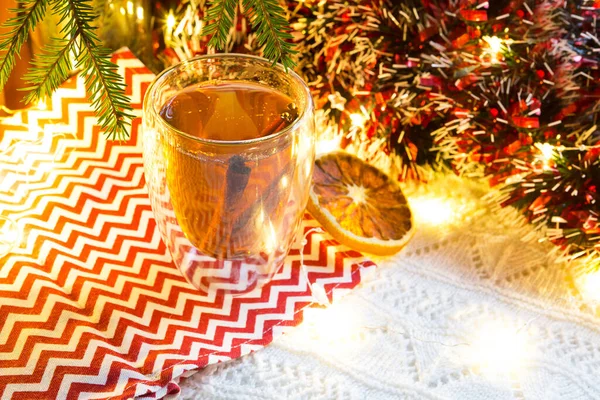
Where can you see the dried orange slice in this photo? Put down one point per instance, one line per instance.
(359, 205)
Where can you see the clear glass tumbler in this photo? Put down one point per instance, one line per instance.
(228, 211)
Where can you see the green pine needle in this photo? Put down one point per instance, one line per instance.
(220, 14)
(104, 85)
(17, 31)
(50, 69)
(268, 20)
(272, 30)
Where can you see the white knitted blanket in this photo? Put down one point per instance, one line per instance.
(469, 310)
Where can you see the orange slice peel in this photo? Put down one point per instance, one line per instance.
(359, 205)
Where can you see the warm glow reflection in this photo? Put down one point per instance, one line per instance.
(589, 286)
(433, 210)
(271, 237)
(285, 182)
(498, 349)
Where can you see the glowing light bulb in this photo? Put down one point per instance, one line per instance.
(589, 286)
(498, 349)
(330, 323)
(546, 149)
(432, 210)
(129, 7)
(494, 42)
(358, 120)
(332, 329)
(140, 13)
(170, 21)
(495, 45)
(547, 152)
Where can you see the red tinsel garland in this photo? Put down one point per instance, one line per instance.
(509, 90)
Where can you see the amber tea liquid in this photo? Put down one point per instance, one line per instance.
(228, 205)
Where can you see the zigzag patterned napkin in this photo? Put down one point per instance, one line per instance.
(90, 304)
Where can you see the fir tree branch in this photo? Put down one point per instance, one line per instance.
(268, 18)
(50, 69)
(220, 14)
(105, 86)
(18, 28)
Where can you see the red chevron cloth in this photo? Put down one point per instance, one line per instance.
(90, 304)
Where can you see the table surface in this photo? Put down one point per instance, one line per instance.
(475, 307)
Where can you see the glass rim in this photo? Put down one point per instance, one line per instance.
(307, 110)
